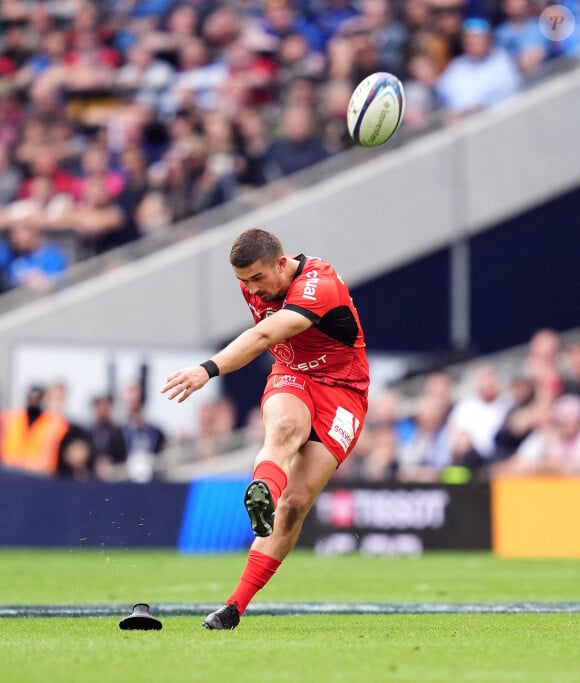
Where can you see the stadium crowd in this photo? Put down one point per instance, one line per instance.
(457, 426)
(119, 118)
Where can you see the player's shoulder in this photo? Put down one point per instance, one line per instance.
(314, 266)
(316, 280)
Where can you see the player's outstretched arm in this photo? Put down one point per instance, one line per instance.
(243, 349)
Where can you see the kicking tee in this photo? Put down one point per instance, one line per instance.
(332, 351)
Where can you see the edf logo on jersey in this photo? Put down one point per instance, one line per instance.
(310, 286)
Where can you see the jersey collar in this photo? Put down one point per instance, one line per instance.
(302, 262)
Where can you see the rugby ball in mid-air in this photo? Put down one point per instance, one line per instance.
(376, 109)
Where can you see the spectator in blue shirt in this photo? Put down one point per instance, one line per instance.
(482, 77)
(520, 36)
(28, 259)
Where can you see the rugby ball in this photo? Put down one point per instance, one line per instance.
(375, 109)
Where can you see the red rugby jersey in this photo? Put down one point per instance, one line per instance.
(332, 351)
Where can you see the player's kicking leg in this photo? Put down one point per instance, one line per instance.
(309, 472)
(287, 427)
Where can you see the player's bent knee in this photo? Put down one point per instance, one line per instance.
(286, 429)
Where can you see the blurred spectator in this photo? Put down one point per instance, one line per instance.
(144, 75)
(143, 438)
(186, 179)
(107, 439)
(280, 19)
(75, 448)
(386, 33)
(428, 450)
(542, 363)
(171, 177)
(254, 428)
(33, 135)
(197, 80)
(562, 449)
(9, 177)
(153, 213)
(90, 63)
(15, 47)
(212, 180)
(30, 436)
(50, 55)
(28, 259)
(334, 99)
(175, 32)
(297, 147)
(216, 435)
(366, 57)
(136, 18)
(520, 36)
(421, 97)
(221, 28)
(296, 59)
(532, 447)
(440, 385)
(417, 15)
(476, 419)
(571, 371)
(43, 205)
(253, 141)
(133, 168)
(95, 162)
(447, 21)
(97, 219)
(219, 138)
(12, 117)
(380, 463)
(519, 420)
(75, 455)
(385, 409)
(482, 77)
(44, 164)
(553, 447)
(252, 71)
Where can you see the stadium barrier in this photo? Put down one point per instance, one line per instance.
(516, 517)
(206, 515)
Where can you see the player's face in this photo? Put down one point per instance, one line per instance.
(264, 279)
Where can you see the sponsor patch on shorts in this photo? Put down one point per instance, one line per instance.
(344, 427)
(288, 381)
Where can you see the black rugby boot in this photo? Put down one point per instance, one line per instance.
(225, 618)
(260, 506)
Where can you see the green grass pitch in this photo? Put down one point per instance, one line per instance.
(414, 648)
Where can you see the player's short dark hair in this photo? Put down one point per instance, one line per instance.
(254, 245)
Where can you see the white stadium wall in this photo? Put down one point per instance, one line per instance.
(368, 220)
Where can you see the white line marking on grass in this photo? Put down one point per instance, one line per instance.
(294, 608)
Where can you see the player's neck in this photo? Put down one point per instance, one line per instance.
(292, 266)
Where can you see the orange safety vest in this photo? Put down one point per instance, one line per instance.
(32, 448)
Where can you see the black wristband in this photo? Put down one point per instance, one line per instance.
(211, 368)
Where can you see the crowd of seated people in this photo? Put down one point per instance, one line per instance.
(458, 426)
(121, 117)
(481, 424)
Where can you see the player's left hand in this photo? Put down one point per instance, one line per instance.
(185, 381)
